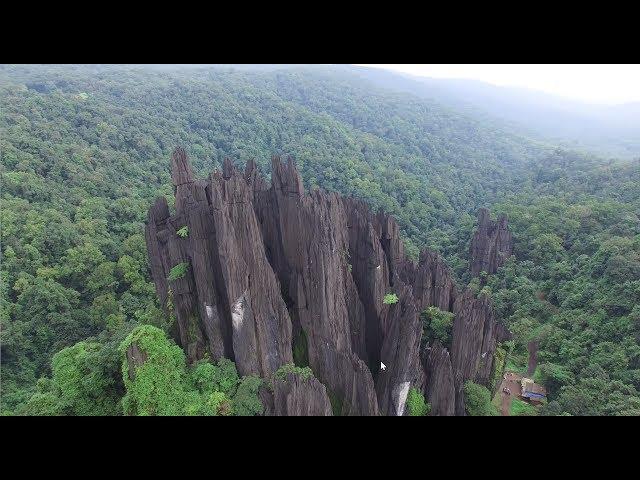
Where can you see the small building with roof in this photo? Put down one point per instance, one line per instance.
(532, 392)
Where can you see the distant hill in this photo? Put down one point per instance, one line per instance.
(609, 131)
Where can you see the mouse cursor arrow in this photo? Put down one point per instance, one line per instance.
(382, 366)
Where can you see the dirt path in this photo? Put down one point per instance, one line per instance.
(512, 382)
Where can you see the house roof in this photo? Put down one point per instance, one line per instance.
(534, 396)
(529, 386)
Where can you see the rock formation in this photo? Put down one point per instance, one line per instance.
(261, 265)
(228, 303)
(136, 357)
(491, 245)
(400, 354)
(475, 335)
(432, 282)
(295, 396)
(440, 390)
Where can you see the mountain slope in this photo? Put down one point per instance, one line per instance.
(611, 131)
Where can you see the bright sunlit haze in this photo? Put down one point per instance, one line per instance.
(600, 84)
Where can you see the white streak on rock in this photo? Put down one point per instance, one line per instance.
(400, 393)
(237, 313)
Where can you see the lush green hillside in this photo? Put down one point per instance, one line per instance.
(612, 131)
(85, 150)
(574, 285)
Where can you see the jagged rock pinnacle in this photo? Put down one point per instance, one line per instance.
(272, 269)
(181, 171)
(492, 244)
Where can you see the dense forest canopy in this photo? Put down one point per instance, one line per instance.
(85, 151)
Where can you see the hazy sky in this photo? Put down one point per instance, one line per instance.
(604, 84)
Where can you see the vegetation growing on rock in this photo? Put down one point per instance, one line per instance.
(283, 371)
(416, 404)
(437, 325)
(178, 271)
(390, 299)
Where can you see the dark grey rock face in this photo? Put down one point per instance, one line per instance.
(475, 335)
(492, 244)
(295, 396)
(440, 390)
(135, 359)
(432, 282)
(267, 263)
(307, 237)
(400, 353)
(229, 301)
(370, 272)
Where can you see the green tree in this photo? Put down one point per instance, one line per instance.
(437, 325)
(477, 400)
(157, 387)
(416, 404)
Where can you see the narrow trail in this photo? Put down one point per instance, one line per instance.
(510, 381)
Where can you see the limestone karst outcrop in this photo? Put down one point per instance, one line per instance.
(262, 265)
(491, 245)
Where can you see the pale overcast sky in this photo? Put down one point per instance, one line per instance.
(602, 84)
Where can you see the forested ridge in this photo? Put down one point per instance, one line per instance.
(611, 131)
(85, 153)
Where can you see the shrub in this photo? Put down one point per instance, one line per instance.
(158, 387)
(225, 377)
(477, 400)
(42, 404)
(284, 370)
(179, 271)
(416, 404)
(183, 232)
(246, 401)
(437, 325)
(218, 404)
(202, 374)
(390, 299)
